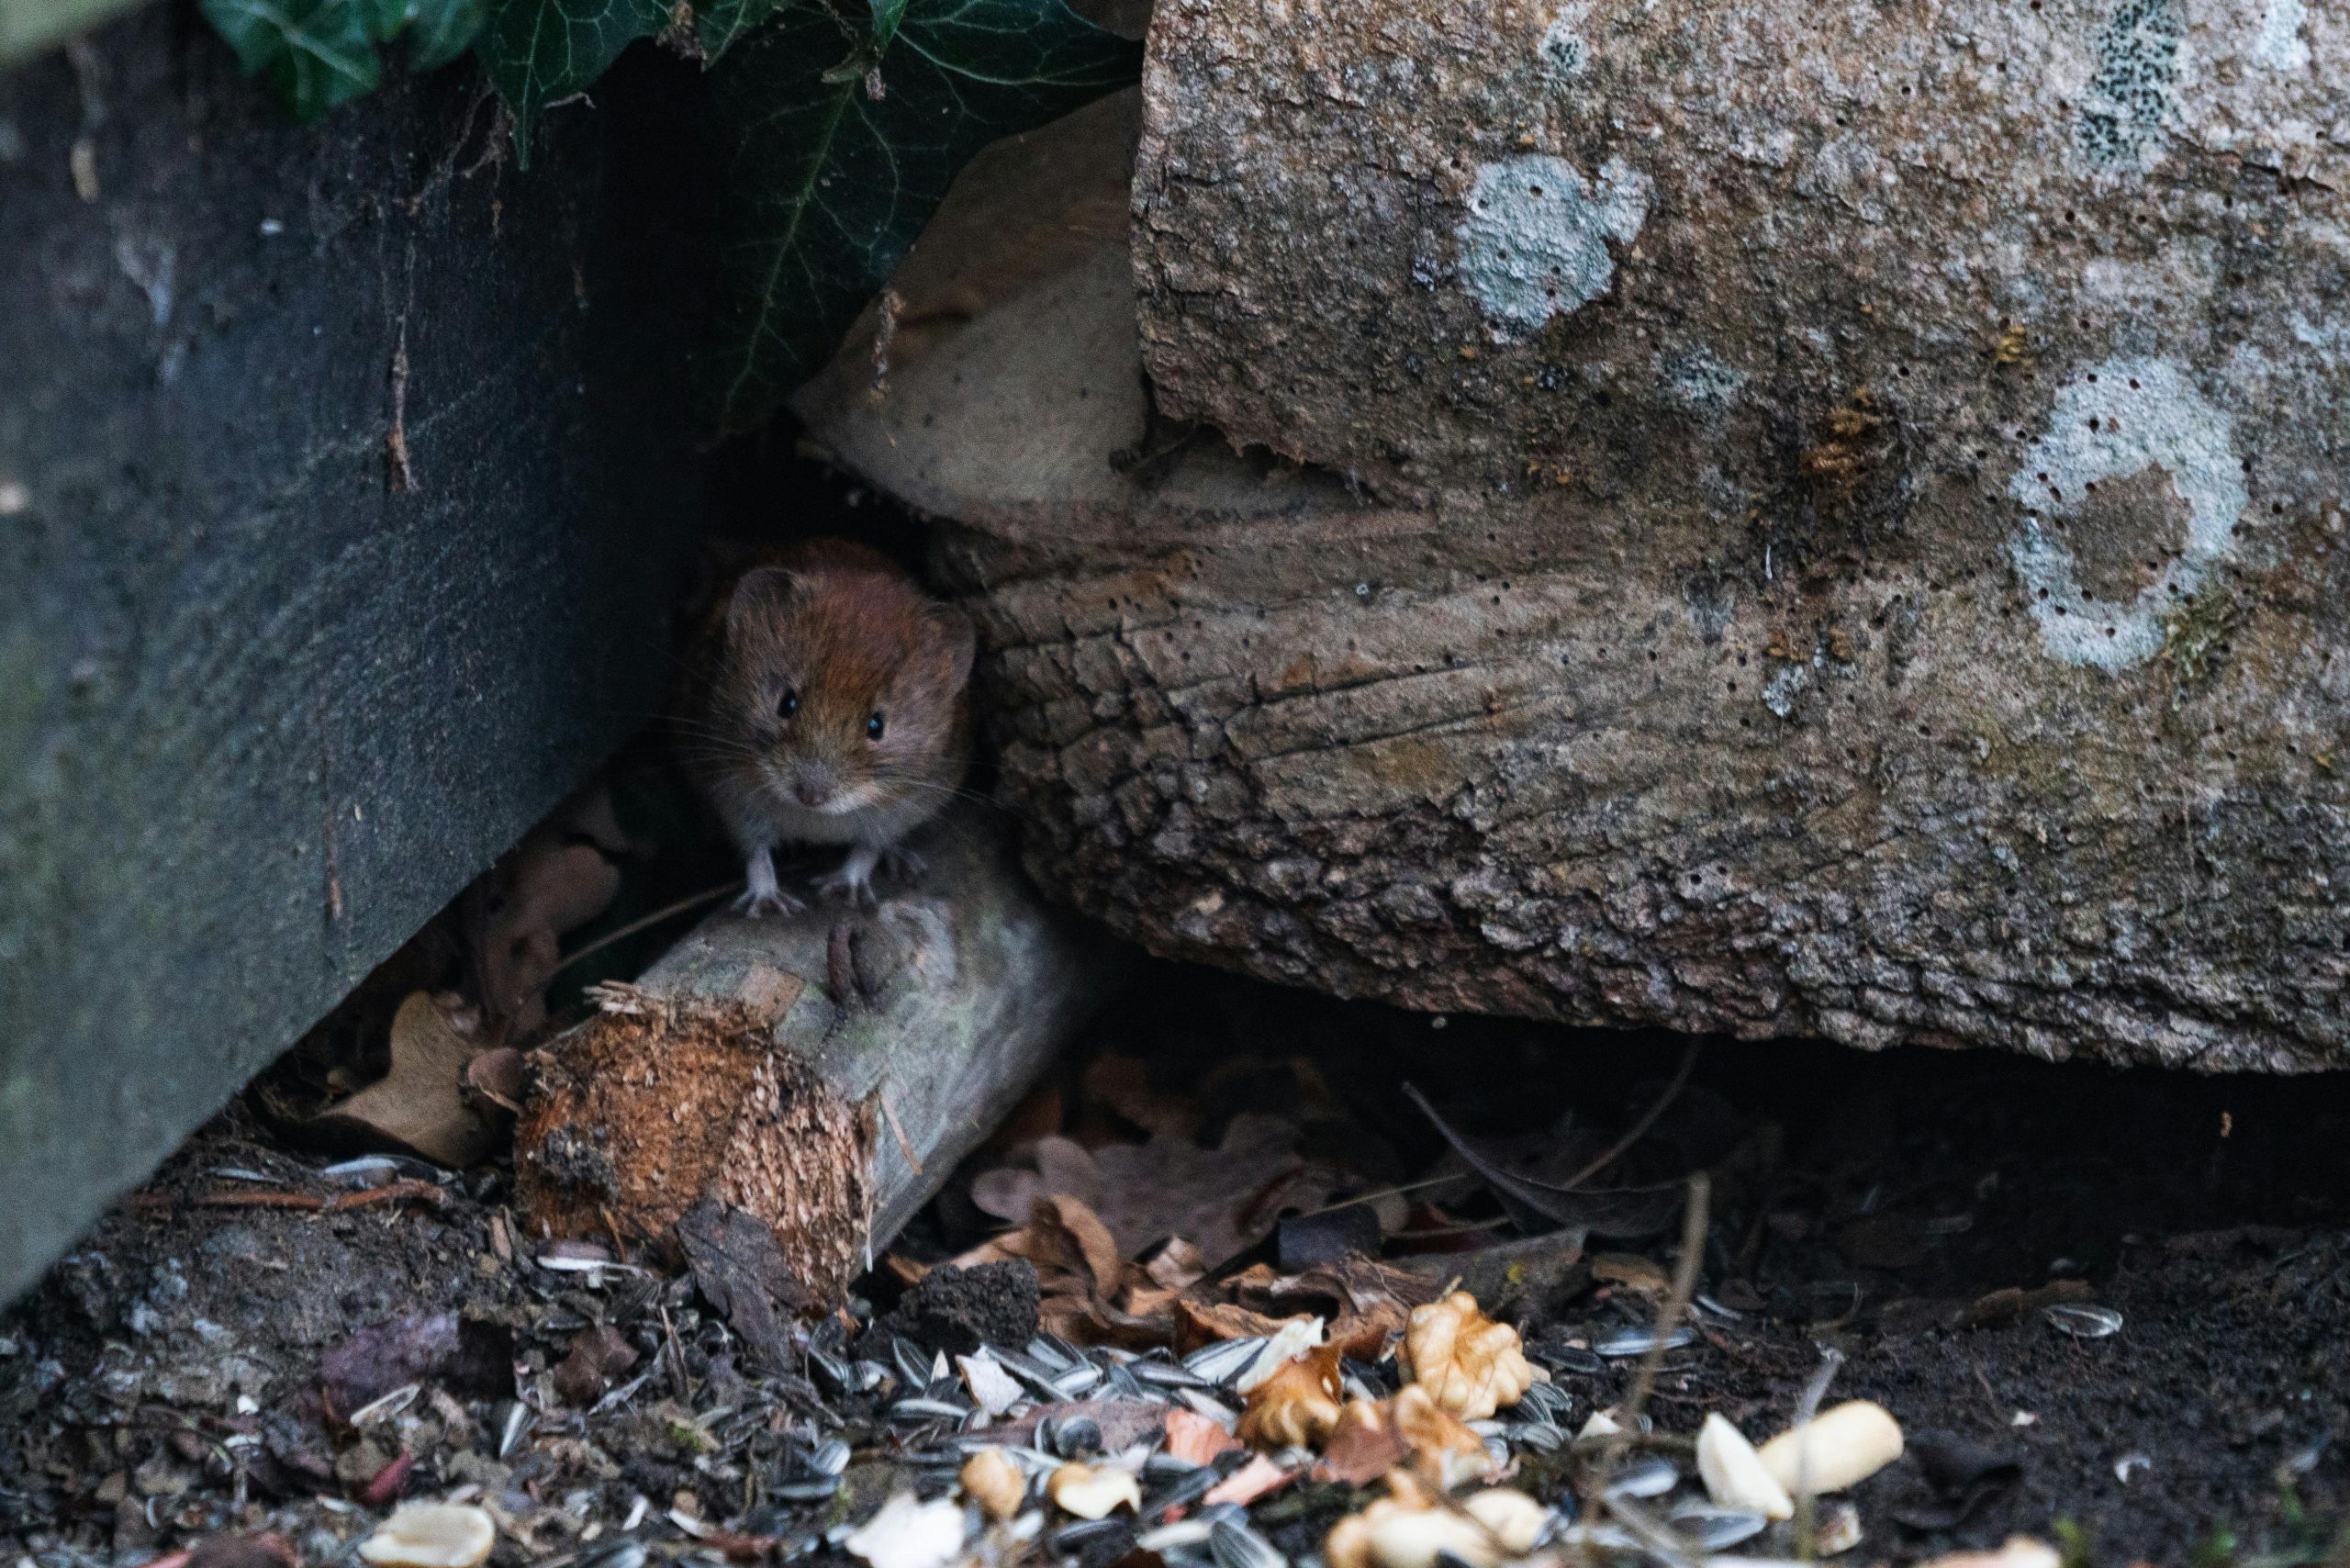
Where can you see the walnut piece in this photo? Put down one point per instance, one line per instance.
(1416, 1530)
(1297, 1406)
(1470, 1364)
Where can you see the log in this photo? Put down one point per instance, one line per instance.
(1761, 519)
(823, 1072)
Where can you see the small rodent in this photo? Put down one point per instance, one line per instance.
(825, 701)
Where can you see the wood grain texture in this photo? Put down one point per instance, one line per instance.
(1720, 642)
(263, 713)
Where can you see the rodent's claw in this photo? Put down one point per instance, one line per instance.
(850, 884)
(773, 901)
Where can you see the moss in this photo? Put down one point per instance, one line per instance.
(2196, 634)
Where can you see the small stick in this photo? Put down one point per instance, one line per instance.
(904, 1143)
(1684, 1286)
(656, 918)
(1807, 1521)
(247, 1198)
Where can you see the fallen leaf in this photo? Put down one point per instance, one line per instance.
(419, 1106)
(544, 888)
(1123, 1085)
(498, 1077)
(742, 1270)
(1199, 1323)
(1225, 1200)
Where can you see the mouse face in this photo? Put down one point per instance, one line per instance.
(844, 688)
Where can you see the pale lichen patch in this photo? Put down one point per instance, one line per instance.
(2132, 100)
(2120, 421)
(1533, 244)
(1563, 52)
(2278, 44)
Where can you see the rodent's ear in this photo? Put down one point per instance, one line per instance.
(953, 631)
(760, 597)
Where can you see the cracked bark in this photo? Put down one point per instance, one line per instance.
(1664, 608)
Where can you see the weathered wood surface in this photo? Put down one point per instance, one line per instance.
(1797, 519)
(890, 1042)
(261, 712)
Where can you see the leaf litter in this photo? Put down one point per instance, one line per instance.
(700, 1403)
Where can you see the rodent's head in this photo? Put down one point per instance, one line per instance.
(848, 685)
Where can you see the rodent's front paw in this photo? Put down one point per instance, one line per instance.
(758, 901)
(903, 863)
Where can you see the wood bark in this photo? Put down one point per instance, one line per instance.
(1757, 519)
(823, 1071)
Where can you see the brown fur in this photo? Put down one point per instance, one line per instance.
(851, 636)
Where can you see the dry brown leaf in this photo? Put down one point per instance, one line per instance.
(1194, 1438)
(419, 1106)
(1630, 1271)
(545, 888)
(1368, 1302)
(1178, 1265)
(1469, 1363)
(1297, 1406)
(1075, 1231)
(1199, 1322)
(1224, 1199)
(1123, 1085)
(497, 1076)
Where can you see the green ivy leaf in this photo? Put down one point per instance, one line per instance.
(313, 54)
(540, 52)
(445, 29)
(887, 16)
(718, 24)
(829, 184)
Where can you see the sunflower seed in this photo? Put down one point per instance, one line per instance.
(805, 1488)
(1222, 1414)
(913, 1367)
(1539, 1435)
(831, 1457)
(1071, 1437)
(2084, 1322)
(1709, 1528)
(1069, 1384)
(1166, 1375)
(1235, 1545)
(920, 1409)
(1043, 1351)
(514, 1423)
(1652, 1476)
(1186, 1489)
(1182, 1532)
(619, 1554)
(1086, 1533)
(1639, 1341)
(1224, 1360)
(1569, 1359)
(1123, 1383)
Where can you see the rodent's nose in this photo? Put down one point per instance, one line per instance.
(813, 784)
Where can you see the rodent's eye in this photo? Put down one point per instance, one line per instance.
(873, 727)
(790, 704)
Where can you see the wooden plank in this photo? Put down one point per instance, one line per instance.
(269, 695)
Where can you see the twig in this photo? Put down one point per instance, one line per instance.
(1807, 1520)
(247, 1198)
(1684, 1286)
(1638, 1129)
(904, 1143)
(656, 918)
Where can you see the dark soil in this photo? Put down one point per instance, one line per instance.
(165, 1382)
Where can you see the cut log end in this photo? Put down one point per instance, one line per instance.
(659, 1102)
